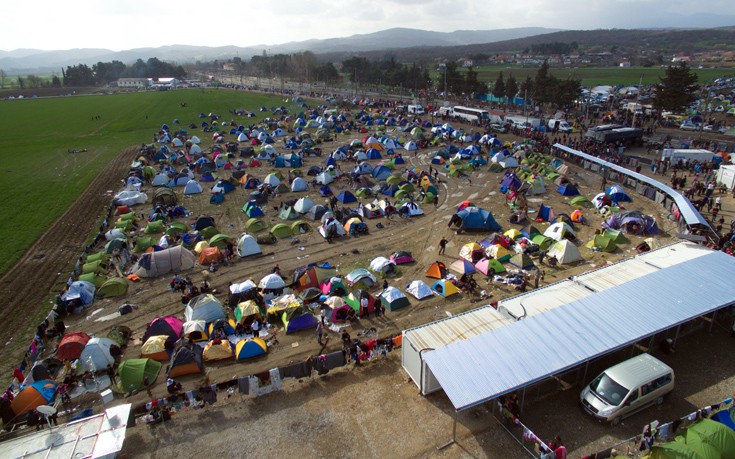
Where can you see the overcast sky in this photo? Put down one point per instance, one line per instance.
(126, 24)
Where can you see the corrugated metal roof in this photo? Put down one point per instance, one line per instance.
(545, 299)
(459, 327)
(690, 214)
(505, 359)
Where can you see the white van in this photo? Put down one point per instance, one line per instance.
(561, 125)
(627, 388)
(415, 109)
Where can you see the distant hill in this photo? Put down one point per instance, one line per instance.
(404, 44)
(663, 40)
(30, 61)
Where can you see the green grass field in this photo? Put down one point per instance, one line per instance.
(41, 179)
(597, 76)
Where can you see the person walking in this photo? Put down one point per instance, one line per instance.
(442, 246)
(319, 331)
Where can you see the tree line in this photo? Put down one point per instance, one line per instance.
(103, 73)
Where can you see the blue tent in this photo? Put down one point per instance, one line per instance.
(324, 190)
(617, 194)
(477, 219)
(545, 213)
(373, 154)
(390, 190)
(298, 319)
(381, 173)
(252, 210)
(346, 197)
(511, 181)
(567, 190)
(217, 198)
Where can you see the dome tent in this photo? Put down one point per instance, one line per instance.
(97, 354)
(419, 290)
(393, 299)
(134, 373)
(204, 307)
(247, 246)
(186, 360)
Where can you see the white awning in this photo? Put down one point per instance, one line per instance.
(508, 358)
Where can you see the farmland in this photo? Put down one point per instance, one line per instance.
(597, 76)
(41, 178)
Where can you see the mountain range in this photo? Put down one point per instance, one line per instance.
(24, 61)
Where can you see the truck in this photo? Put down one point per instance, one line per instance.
(416, 109)
(674, 155)
(635, 108)
(608, 133)
(523, 122)
(559, 125)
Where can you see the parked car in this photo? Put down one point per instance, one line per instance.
(689, 126)
(711, 128)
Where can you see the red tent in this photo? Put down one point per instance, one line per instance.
(71, 346)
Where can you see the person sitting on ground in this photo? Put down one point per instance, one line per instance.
(552, 261)
(173, 386)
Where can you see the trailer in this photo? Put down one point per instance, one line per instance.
(609, 133)
(523, 122)
(674, 155)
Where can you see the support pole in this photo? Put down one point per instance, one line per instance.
(454, 434)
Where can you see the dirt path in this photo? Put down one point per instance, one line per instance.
(45, 266)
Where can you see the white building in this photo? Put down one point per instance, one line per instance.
(137, 83)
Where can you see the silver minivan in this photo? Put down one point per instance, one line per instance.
(627, 388)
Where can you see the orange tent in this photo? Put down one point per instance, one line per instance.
(37, 394)
(209, 255)
(71, 346)
(437, 270)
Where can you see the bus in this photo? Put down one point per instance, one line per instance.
(471, 114)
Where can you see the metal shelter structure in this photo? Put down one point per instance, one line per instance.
(627, 302)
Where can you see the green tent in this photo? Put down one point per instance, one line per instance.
(288, 213)
(129, 216)
(94, 278)
(544, 242)
(120, 334)
(581, 202)
(614, 235)
(281, 231)
(112, 287)
(208, 232)
(300, 227)
(99, 256)
(115, 244)
(254, 225)
(132, 374)
(393, 180)
(142, 244)
(704, 439)
(154, 227)
(407, 187)
(176, 228)
(124, 225)
(429, 198)
(602, 243)
(363, 192)
(220, 240)
(495, 167)
(712, 433)
(94, 267)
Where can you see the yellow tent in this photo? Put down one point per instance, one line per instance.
(218, 350)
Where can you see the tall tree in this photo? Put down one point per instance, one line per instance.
(677, 89)
(511, 87)
(472, 85)
(544, 85)
(499, 87)
(2, 78)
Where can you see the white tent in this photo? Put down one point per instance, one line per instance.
(192, 187)
(96, 354)
(173, 259)
(247, 245)
(419, 290)
(299, 184)
(195, 326)
(160, 179)
(597, 200)
(565, 252)
(272, 180)
(326, 177)
(272, 282)
(114, 233)
(130, 198)
(361, 156)
(176, 142)
(413, 209)
(558, 231)
(279, 133)
(195, 140)
(508, 162)
(332, 226)
(411, 146)
(195, 150)
(242, 287)
(363, 169)
(536, 186)
(382, 265)
(303, 205)
(242, 137)
(204, 307)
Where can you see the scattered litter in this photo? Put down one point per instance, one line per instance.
(302, 248)
(294, 344)
(449, 314)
